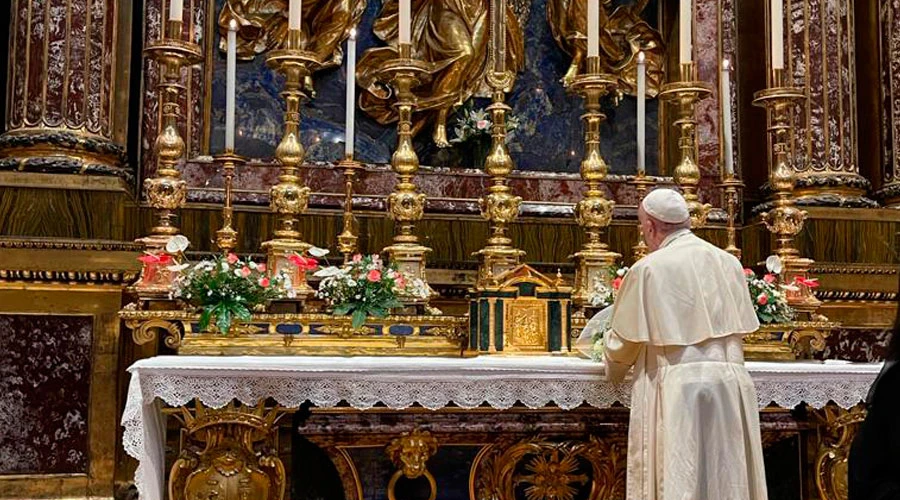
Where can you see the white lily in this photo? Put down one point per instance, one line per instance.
(318, 252)
(327, 272)
(178, 268)
(774, 264)
(177, 244)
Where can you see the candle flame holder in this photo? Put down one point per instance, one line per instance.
(406, 205)
(685, 94)
(593, 212)
(289, 198)
(167, 191)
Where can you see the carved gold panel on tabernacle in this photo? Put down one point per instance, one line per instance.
(525, 322)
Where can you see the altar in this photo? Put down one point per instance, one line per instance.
(515, 414)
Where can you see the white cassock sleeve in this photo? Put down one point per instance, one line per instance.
(619, 355)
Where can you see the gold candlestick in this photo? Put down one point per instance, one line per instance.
(290, 197)
(731, 188)
(347, 239)
(500, 207)
(685, 94)
(167, 191)
(226, 237)
(594, 212)
(785, 220)
(642, 184)
(406, 206)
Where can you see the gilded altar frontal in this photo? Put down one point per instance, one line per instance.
(359, 249)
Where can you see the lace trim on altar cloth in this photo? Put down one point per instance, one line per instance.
(143, 432)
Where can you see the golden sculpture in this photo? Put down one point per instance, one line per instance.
(410, 453)
(451, 37)
(839, 428)
(228, 454)
(622, 35)
(552, 471)
(263, 26)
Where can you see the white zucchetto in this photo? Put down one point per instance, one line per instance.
(666, 205)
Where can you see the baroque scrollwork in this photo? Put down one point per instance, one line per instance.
(228, 454)
(839, 428)
(546, 470)
(452, 39)
(622, 35)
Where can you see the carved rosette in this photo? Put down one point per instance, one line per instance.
(289, 198)
(406, 206)
(551, 470)
(594, 213)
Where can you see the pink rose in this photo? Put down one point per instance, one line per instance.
(769, 278)
(374, 276)
(763, 299)
(264, 282)
(616, 283)
(357, 259)
(261, 268)
(401, 282)
(748, 272)
(482, 124)
(245, 271)
(231, 258)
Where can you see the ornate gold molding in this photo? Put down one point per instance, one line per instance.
(837, 431)
(410, 453)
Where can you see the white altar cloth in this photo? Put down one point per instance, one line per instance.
(398, 383)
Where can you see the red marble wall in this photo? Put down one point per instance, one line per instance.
(45, 374)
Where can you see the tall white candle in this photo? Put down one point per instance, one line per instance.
(641, 112)
(593, 28)
(727, 139)
(176, 10)
(777, 13)
(404, 21)
(230, 77)
(294, 15)
(685, 18)
(351, 93)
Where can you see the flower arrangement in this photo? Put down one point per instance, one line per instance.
(603, 294)
(770, 296)
(228, 288)
(366, 286)
(474, 126)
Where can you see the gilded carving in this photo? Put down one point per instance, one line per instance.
(622, 35)
(228, 454)
(527, 325)
(551, 470)
(839, 427)
(410, 453)
(451, 38)
(263, 26)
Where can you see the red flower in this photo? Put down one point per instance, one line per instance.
(374, 276)
(763, 299)
(748, 272)
(617, 282)
(807, 282)
(303, 263)
(769, 278)
(264, 282)
(231, 258)
(245, 271)
(162, 258)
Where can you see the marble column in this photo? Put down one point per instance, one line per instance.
(68, 89)
(820, 58)
(889, 20)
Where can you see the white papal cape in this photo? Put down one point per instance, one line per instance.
(678, 319)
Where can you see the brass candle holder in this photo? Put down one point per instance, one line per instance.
(731, 189)
(406, 205)
(642, 184)
(500, 207)
(226, 237)
(167, 191)
(289, 198)
(594, 212)
(785, 220)
(685, 94)
(348, 238)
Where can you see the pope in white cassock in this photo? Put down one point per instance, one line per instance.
(678, 318)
